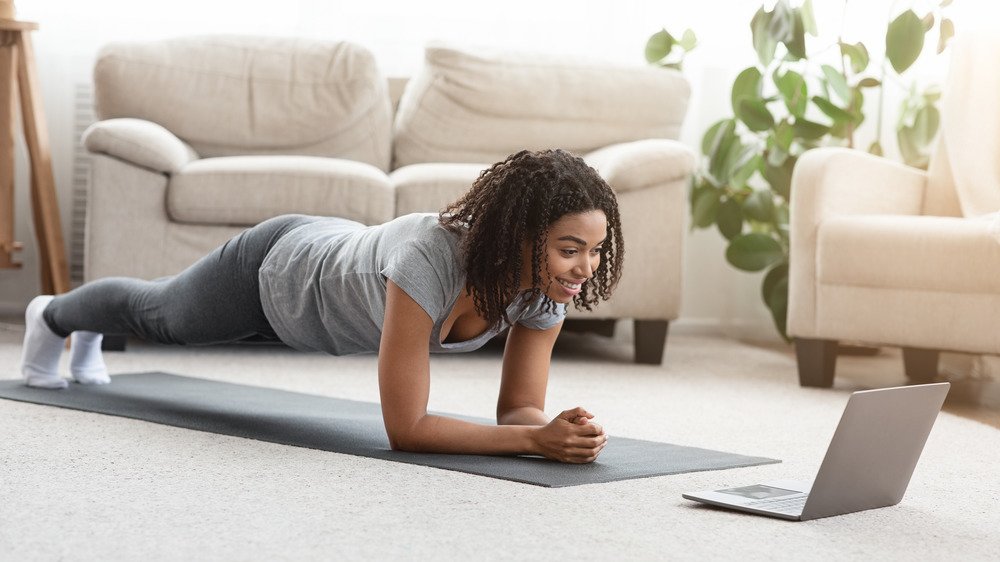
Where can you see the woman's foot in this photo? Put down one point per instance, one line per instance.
(86, 363)
(42, 348)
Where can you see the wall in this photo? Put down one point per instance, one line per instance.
(716, 297)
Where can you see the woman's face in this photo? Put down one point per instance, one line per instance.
(571, 255)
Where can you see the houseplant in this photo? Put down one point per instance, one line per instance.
(791, 101)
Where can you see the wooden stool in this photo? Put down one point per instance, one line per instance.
(18, 77)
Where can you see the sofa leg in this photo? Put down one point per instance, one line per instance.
(604, 328)
(113, 342)
(921, 365)
(650, 339)
(817, 360)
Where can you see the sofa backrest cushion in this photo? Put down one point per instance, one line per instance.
(236, 95)
(481, 106)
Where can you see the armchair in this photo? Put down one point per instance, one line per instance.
(890, 255)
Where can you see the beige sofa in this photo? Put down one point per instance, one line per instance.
(890, 255)
(201, 137)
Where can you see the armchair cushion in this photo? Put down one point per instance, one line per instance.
(641, 164)
(427, 188)
(944, 254)
(139, 142)
(245, 190)
(480, 106)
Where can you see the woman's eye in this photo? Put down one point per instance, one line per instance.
(569, 252)
(597, 251)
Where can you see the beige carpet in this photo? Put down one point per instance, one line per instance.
(81, 486)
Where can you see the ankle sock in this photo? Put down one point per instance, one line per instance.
(42, 348)
(86, 363)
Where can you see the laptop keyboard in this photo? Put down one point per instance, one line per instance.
(791, 506)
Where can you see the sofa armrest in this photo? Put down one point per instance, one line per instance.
(828, 182)
(640, 164)
(139, 142)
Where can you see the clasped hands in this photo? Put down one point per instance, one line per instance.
(571, 437)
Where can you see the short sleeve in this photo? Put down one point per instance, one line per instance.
(540, 315)
(424, 273)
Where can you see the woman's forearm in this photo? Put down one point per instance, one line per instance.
(527, 415)
(439, 434)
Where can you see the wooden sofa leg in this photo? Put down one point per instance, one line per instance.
(817, 360)
(650, 339)
(921, 365)
(604, 328)
(113, 342)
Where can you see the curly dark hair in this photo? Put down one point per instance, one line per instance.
(513, 202)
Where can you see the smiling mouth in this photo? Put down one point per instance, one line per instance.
(568, 285)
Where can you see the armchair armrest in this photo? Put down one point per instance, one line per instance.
(837, 181)
(640, 164)
(139, 142)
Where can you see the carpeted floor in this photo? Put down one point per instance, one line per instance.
(81, 486)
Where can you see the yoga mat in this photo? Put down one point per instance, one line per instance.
(350, 427)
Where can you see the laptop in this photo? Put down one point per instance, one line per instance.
(868, 464)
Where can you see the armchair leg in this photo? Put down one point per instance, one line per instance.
(650, 339)
(817, 361)
(921, 365)
(113, 342)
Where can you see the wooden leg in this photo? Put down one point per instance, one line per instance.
(650, 339)
(604, 328)
(817, 360)
(921, 365)
(113, 342)
(48, 224)
(8, 90)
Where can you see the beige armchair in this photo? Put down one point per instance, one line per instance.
(890, 255)
(200, 137)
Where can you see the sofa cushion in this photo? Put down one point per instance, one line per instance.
(480, 106)
(427, 188)
(641, 164)
(909, 252)
(228, 95)
(245, 190)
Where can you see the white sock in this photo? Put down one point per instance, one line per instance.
(42, 348)
(86, 363)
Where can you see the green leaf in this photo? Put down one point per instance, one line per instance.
(774, 276)
(945, 3)
(730, 219)
(876, 148)
(837, 82)
(777, 302)
(857, 54)
(705, 208)
(904, 40)
(759, 206)
(688, 40)
(714, 135)
(659, 45)
(784, 135)
(928, 21)
(797, 43)
(794, 91)
(755, 114)
(808, 130)
(724, 157)
(809, 18)
(747, 85)
(763, 42)
(754, 251)
(780, 177)
(926, 125)
(745, 170)
(909, 148)
(782, 25)
(834, 112)
(947, 32)
(869, 82)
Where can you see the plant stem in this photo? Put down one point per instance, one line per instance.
(881, 87)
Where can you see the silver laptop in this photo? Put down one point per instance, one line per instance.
(868, 465)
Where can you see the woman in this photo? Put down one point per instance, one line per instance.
(535, 232)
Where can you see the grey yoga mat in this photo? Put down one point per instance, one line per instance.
(351, 427)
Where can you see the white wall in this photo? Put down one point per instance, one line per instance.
(716, 297)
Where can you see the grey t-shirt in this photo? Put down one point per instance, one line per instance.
(323, 284)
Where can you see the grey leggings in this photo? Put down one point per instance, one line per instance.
(215, 300)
